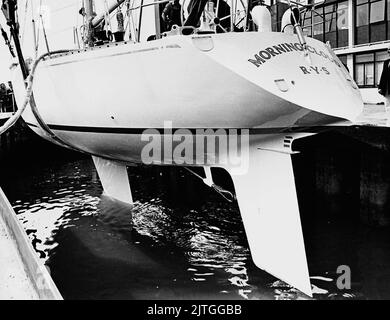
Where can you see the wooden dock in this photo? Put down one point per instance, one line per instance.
(22, 275)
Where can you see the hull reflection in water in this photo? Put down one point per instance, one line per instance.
(98, 248)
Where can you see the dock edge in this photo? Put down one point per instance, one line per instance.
(35, 269)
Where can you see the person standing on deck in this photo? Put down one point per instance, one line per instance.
(88, 33)
(3, 97)
(120, 20)
(172, 14)
(3, 89)
(384, 83)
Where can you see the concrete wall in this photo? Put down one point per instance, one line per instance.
(345, 176)
(37, 273)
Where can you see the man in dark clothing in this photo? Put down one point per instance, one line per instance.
(11, 88)
(3, 89)
(172, 14)
(3, 97)
(384, 83)
(196, 7)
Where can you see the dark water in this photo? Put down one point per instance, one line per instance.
(179, 240)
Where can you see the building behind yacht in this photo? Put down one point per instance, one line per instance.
(358, 31)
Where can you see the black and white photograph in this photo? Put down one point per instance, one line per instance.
(198, 156)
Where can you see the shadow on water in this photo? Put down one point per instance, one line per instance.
(178, 241)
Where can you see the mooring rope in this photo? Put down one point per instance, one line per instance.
(227, 195)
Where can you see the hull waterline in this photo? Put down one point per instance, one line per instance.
(113, 102)
(101, 100)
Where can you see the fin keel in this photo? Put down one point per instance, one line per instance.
(114, 178)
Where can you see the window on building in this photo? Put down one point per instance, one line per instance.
(343, 58)
(342, 15)
(342, 24)
(318, 26)
(377, 12)
(330, 23)
(388, 18)
(388, 10)
(330, 18)
(364, 69)
(380, 58)
(362, 14)
(371, 20)
(307, 25)
(368, 68)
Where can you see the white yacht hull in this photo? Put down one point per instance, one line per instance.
(101, 100)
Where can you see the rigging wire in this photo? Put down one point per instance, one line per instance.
(44, 34)
(65, 7)
(38, 31)
(24, 20)
(107, 16)
(76, 27)
(130, 13)
(61, 30)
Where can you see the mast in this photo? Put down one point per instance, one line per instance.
(111, 7)
(89, 9)
(89, 15)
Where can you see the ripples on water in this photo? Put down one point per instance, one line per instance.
(156, 249)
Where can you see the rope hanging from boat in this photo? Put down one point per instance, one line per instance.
(227, 195)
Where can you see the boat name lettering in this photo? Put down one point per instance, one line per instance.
(314, 70)
(268, 53)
